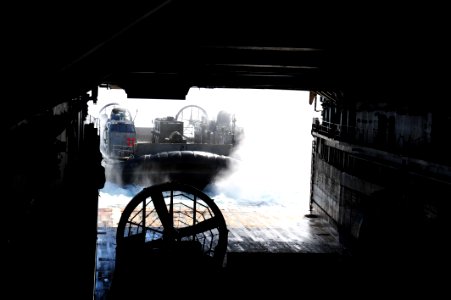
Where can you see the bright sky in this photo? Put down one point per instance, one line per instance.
(276, 153)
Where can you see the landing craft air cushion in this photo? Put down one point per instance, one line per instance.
(188, 148)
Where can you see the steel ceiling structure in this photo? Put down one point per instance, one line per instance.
(159, 49)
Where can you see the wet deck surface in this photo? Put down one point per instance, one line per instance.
(265, 243)
(276, 251)
(278, 230)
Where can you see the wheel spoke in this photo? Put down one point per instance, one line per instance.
(163, 213)
(198, 228)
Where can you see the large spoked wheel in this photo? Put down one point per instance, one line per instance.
(193, 118)
(170, 235)
(174, 221)
(191, 115)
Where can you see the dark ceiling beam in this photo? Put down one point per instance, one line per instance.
(265, 66)
(267, 56)
(268, 81)
(263, 48)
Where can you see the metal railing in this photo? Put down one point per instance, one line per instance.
(384, 140)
